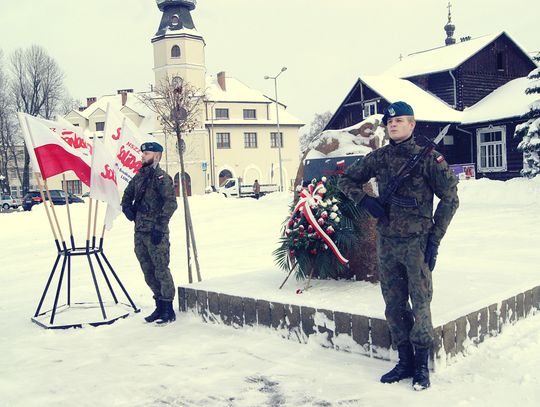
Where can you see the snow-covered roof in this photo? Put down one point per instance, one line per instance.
(237, 91)
(426, 106)
(132, 102)
(439, 59)
(507, 101)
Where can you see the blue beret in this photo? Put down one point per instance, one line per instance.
(151, 146)
(397, 109)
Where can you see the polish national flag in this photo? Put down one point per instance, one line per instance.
(55, 149)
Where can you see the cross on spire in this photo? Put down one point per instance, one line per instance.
(449, 7)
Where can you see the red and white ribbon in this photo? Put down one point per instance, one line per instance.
(310, 197)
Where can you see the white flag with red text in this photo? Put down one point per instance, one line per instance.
(128, 158)
(103, 185)
(56, 148)
(112, 132)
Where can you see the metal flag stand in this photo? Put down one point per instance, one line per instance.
(110, 313)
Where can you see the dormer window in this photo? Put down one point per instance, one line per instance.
(175, 51)
(175, 20)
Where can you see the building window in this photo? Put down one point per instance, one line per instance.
(250, 114)
(250, 140)
(175, 20)
(100, 126)
(222, 113)
(491, 143)
(175, 51)
(223, 140)
(73, 187)
(274, 140)
(500, 61)
(370, 108)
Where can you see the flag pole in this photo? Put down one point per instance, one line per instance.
(40, 186)
(89, 223)
(54, 214)
(72, 240)
(95, 224)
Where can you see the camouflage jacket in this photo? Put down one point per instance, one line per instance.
(429, 177)
(151, 194)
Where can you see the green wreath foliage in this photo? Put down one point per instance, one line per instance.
(301, 247)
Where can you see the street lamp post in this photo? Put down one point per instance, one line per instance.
(278, 135)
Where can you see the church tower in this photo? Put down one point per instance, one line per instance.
(179, 53)
(178, 47)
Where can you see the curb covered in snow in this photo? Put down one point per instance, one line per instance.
(350, 332)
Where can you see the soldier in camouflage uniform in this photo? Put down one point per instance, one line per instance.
(408, 237)
(150, 201)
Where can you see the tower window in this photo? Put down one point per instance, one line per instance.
(175, 20)
(175, 51)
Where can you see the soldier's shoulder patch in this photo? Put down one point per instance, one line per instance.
(439, 159)
(160, 178)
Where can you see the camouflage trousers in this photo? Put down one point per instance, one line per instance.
(154, 260)
(405, 276)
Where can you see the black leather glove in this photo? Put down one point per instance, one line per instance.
(430, 256)
(156, 237)
(372, 205)
(129, 212)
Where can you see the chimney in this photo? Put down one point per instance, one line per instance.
(89, 101)
(221, 81)
(124, 93)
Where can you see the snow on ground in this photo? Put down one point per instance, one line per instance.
(487, 255)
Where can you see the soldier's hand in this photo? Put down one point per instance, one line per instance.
(430, 256)
(372, 205)
(129, 212)
(156, 237)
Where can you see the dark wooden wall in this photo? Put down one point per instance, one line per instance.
(479, 76)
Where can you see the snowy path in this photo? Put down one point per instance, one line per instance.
(191, 364)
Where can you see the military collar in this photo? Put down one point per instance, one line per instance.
(407, 145)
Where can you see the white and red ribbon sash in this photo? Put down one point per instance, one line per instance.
(309, 198)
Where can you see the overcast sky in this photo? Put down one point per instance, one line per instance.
(104, 45)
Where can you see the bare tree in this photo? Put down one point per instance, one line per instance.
(9, 137)
(319, 122)
(67, 104)
(37, 88)
(178, 105)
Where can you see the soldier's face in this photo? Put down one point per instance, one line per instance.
(148, 157)
(400, 128)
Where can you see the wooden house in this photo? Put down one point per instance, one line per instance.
(476, 85)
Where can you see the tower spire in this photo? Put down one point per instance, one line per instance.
(449, 27)
(176, 15)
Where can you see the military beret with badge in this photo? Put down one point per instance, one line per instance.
(397, 109)
(151, 146)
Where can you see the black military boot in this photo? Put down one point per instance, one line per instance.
(405, 367)
(167, 313)
(154, 315)
(421, 371)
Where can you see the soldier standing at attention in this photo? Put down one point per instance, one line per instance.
(150, 201)
(408, 237)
